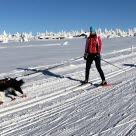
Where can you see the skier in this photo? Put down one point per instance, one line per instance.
(92, 53)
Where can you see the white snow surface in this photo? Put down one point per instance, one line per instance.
(56, 105)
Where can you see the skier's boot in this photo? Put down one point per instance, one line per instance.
(85, 82)
(103, 83)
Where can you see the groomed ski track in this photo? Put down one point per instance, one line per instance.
(58, 106)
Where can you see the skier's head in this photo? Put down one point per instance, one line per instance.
(92, 31)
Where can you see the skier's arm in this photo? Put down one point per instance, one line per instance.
(86, 46)
(100, 45)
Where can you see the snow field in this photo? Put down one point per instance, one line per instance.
(58, 106)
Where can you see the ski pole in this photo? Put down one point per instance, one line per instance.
(77, 58)
(113, 65)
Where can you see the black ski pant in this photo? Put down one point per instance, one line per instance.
(89, 61)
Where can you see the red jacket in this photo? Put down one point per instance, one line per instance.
(93, 45)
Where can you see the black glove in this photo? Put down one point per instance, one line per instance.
(97, 55)
(85, 56)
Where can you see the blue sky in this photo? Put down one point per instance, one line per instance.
(56, 15)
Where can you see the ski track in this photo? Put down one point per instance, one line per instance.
(59, 106)
(59, 92)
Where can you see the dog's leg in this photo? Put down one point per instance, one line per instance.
(9, 92)
(20, 90)
(13, 93)
(1, 98)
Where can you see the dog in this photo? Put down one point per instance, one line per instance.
(10, 86)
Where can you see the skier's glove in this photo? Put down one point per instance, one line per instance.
(85, 56)
(98, 56)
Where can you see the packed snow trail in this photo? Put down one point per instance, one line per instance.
(57, 105)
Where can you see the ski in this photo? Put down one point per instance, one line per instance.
(107, 85)
(93, 85)
(82, 83)
(80, 86)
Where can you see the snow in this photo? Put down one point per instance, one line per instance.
(65, 43)
(25, 37)
(56, 104)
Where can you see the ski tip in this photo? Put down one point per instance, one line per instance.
(107, 85)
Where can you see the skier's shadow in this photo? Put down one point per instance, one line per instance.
(48, 73)
(74, 79)
(129, 65)
(45, 72)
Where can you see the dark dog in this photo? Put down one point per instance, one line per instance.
(12, 84)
